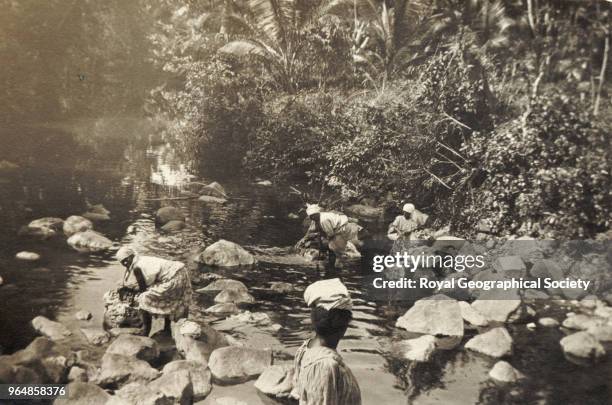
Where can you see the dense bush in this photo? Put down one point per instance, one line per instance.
(546, 175)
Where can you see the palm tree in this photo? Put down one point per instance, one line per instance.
(277, 35)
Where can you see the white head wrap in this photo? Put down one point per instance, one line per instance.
(124, 252)
(409, 208)
(328, 294)
(312, 209)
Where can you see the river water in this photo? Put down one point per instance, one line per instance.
(121, 163)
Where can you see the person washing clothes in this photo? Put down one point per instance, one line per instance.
(404, 225)
(164, 285)
(320, 375)
(336, 228)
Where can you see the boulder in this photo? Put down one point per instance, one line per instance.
(510, 266)
(582, 346)
(51, 329)
(546, 269)
(503, 372)
(214, 189)
(117, 369)
(264, 183)
(84, 393)
(173, 226)
(532, 295)
(201, 378)
(365, 212)
(276, 381)
(602, 333)
(548, 322)
(27, 256)
(83, 315)
(437, 315)
(140, 347)
(76, 223)
(89, 242)
(222, 309)
(235, 364)
(42, 361)
(196, 342)
(581, 322)
(420, 349)
(138, 393)
(256, 318)
(234, 296)
(471, 316)
(77, 374)
(43, 227)
(175, 385)
(226, 254)
(447, 244)
(497, 305)
(96, 336)
(224, 284)
(495, 343)
(96, 217)
(120, 313)
(528, 249)
(280, 287)
(212, 199)
(167, 214)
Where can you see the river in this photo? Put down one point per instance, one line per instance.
(122, 163)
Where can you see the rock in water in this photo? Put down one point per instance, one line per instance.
(419, 349)
(84, 393)
(140, 347)
(27, 256)
(548, 322)
(437, 315)
(76, 223)
(502, 371)
(581, 322)
(234, 296)
(51, 329)
(167, 214)
(602, 333)
(196, 342)
(96, 336)
(83, 315)
(581, 348)
(224, 284)
(214, 189)
(222, 309)
(235, 364)
(226, 254)
(77, 374)
(265, 183)
(118, 313)
(43, 227)
(212, 199)
(280, 287)
(96, 217)
(510, 266)
(117, 369)
(42, 361)
(173, 226)
(497, 305)
(201, 377)
(276, 381)
(89, 241)
(174, 385)
(471, 316)
(495, 343)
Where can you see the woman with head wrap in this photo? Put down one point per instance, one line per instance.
(164, 285)
(337, 228)
(404, 225)
(320, 375)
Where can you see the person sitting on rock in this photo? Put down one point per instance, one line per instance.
(404, 225)
(320, 375)
(337, 228)
(164, 285)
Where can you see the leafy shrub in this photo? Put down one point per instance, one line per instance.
(548, 175)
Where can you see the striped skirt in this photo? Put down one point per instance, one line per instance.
(170, 298)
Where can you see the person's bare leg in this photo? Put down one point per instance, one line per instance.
(147, 320)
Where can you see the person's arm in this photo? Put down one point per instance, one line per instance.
(142, 285)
